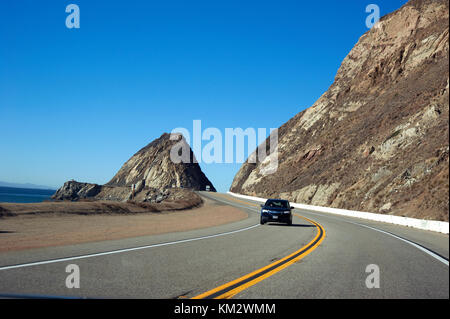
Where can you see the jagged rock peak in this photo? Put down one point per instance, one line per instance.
(152, 166)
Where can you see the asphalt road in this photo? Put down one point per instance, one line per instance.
(319, 256)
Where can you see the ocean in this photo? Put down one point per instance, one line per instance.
(24, 195)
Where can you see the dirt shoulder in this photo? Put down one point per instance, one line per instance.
(30, 229)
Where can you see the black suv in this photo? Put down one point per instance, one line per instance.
(276, 210)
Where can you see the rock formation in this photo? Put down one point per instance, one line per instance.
(153, 167)
(73, 190)
(378, 139)
(148, 176)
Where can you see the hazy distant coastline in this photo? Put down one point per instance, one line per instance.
(26, 185)
(24, 195)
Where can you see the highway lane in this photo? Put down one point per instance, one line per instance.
(434, 241)
(338, 268)
(334, 269)
(159, 272)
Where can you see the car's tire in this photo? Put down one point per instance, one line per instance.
(262, 222)
(290, 222)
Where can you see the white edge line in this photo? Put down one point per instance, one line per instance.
(411, 243)
(390, 234)
(123, 250)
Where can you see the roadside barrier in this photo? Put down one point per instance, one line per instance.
(433, 225)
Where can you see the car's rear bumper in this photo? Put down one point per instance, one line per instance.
(281, 218)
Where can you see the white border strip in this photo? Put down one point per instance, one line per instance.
(433, 225)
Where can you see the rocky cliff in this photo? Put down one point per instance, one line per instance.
(153, 167)
(378, 139)
(148, 176)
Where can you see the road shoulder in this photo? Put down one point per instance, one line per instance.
(29, 232)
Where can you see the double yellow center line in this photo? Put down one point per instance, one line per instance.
(230, 289)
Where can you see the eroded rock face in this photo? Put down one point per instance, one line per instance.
(377, 140)
(153, 167)
(149, 176)
(73, 190)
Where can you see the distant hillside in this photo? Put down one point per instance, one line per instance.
(378, 139)
(25, 185)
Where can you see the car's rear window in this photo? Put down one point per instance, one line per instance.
(277, 203)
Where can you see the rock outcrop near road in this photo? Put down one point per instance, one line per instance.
(73, 190)
(148, 176)
(378, 139)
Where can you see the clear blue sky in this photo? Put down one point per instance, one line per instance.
(77, 103)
